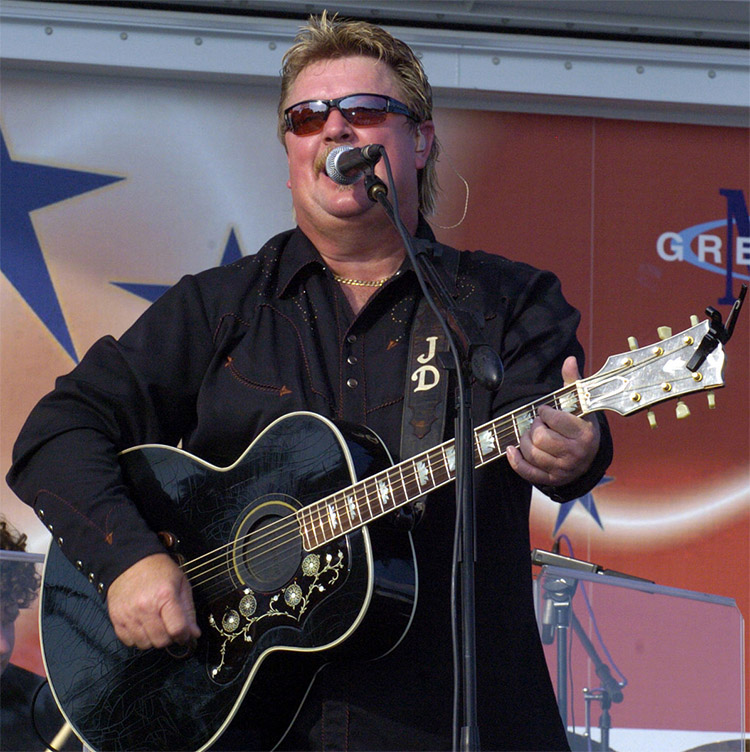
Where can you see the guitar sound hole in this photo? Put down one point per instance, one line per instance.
(267, 547)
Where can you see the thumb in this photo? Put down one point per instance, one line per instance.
(570, 372)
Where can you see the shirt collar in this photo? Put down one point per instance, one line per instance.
(299, 255)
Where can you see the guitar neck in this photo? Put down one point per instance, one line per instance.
(627, 383)
(363, 502)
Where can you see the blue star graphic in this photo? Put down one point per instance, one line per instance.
(586, 501)
(153, 292)
(24, 187)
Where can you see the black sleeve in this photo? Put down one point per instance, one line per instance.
(135, 390)
(538, 334)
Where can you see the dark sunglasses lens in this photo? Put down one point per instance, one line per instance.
(308, 117)
(364, 110)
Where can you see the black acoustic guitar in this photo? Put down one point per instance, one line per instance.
(286, 569)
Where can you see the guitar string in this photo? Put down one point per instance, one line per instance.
(285, 537)
(276, 528)
(499, 450)
(338, 499)
(506, 424)
(267, 551)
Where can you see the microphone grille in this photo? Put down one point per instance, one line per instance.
(333, 171)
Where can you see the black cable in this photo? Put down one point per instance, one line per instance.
(35, 698)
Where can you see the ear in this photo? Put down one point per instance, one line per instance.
(424, 138)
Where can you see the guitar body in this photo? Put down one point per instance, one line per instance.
(271, 612)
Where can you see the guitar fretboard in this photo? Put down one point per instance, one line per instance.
(365, 501)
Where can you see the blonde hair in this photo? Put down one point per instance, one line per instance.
(325, 38)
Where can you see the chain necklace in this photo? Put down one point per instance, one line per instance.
(360, 282)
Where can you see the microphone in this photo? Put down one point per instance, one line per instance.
(548, 614)
(346, 164)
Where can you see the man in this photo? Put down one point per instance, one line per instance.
(28, 715)
(320, 320)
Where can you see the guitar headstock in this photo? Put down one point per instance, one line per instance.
(635, 380)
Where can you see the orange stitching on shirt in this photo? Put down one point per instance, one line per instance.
(71, 507)
(283, 390)
(384, 404)
(249, 382)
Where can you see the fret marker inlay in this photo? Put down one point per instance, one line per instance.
(423, 474)
(333, 516)
(384, 493)
(486, 442)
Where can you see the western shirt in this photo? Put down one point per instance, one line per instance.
(225, 352)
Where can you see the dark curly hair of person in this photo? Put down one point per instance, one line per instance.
(19, 581)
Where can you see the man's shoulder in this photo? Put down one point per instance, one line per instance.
(494, 273)
(260, 262)
(475, 260)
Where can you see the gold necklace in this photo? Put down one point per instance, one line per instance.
(360, 282)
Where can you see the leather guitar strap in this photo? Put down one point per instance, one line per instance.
(426, 387)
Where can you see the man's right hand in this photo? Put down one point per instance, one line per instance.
(151, 604)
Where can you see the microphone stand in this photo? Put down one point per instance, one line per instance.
(471, 358)
(611, 690)
(561, 589)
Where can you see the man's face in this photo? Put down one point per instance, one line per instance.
(322, 204)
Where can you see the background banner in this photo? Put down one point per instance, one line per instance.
(113, 188)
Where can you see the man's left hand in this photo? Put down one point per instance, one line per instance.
(558, 447)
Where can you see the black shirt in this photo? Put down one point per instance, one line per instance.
(225, 352)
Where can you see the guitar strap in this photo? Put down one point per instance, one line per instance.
(426, 387)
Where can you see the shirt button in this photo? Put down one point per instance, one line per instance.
(352, 383)
(351, 338)
(351, 360)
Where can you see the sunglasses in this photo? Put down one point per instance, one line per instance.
(361, 110)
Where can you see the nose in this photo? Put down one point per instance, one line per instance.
(337, 127)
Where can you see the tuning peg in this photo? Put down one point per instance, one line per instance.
(632, 343)
(651, 418)
(664, 332)
(682, 410)
(711, 397)
(693, 320)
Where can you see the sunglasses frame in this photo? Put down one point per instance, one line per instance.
(391, 106)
